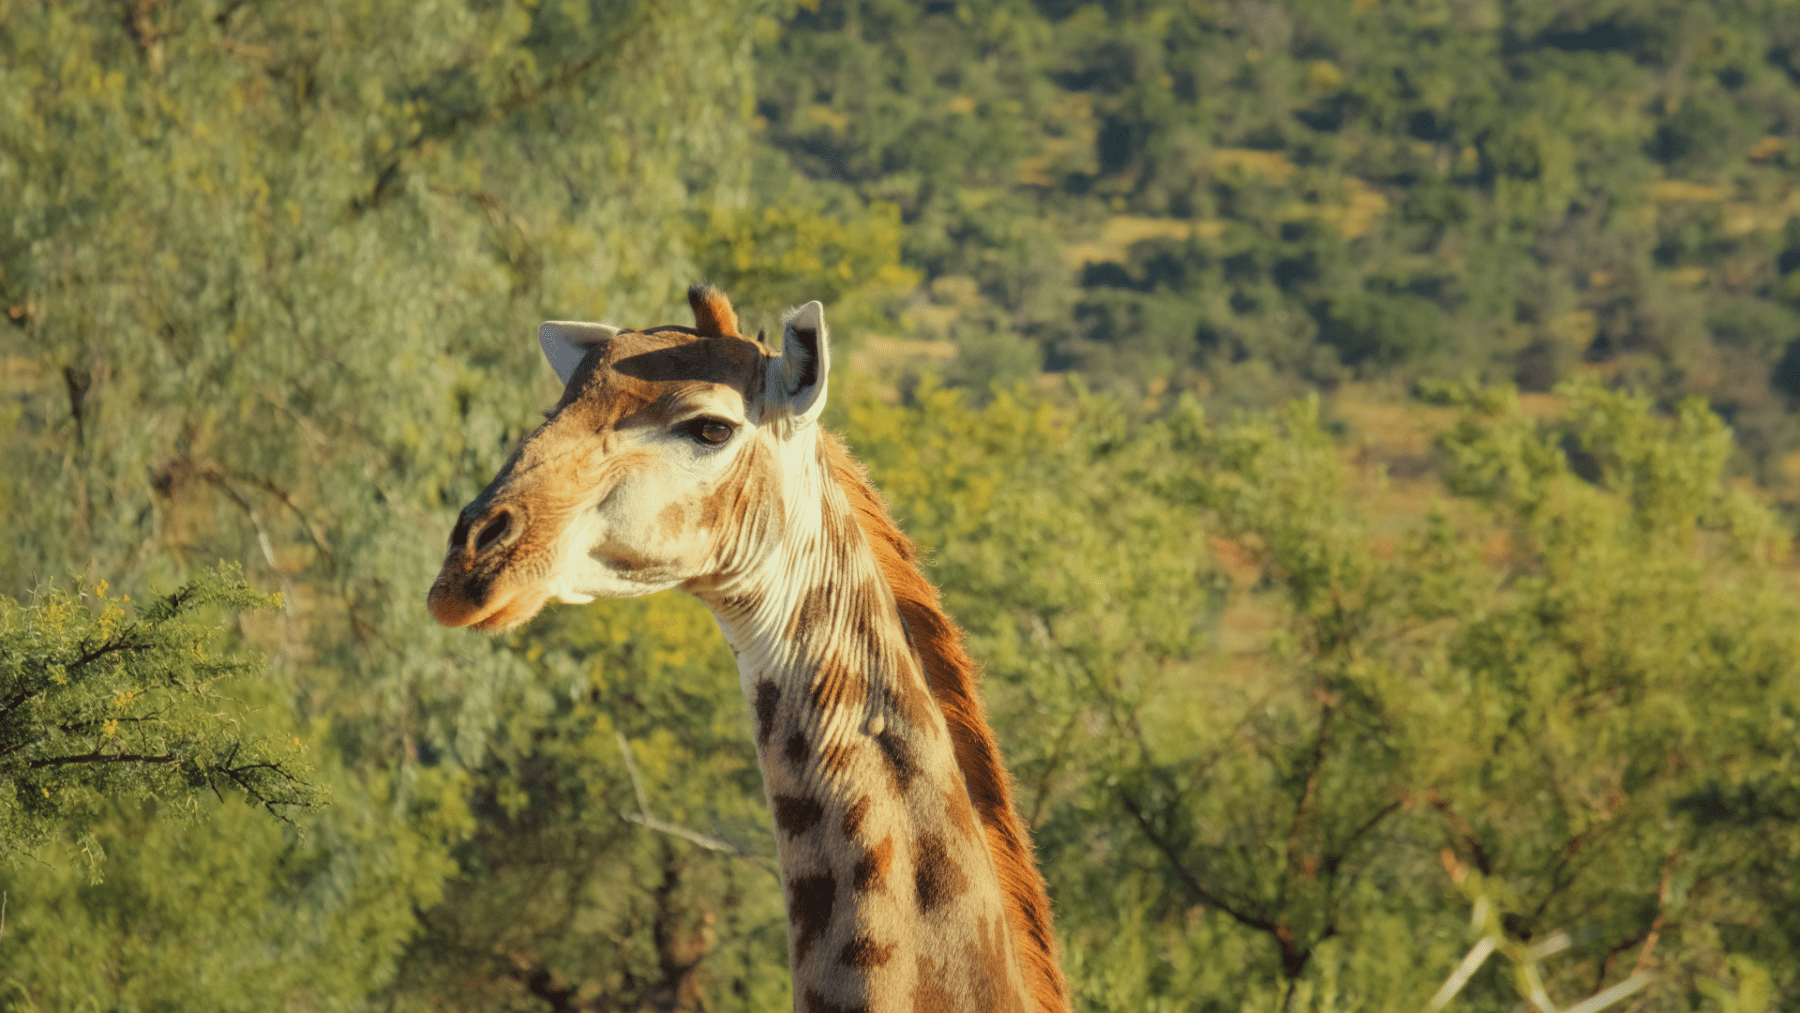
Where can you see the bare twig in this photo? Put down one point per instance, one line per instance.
(709, 843)
(1534, 988)
(313, 529)
(1293, 957)
(1662, 902)
(643, 818)
(1525, 961)
(637, 784)
(1369, 824)
(1464, 831)
(1601, 1000)
(1464, 971)
(1294, 866)
(217, 476)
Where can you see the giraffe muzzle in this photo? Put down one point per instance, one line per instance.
(471, 589)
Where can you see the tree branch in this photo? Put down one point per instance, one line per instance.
(1464, 831)
(14, 701)
(97, 757)
(643, 818)
(122, 644)
(1199, 889)
(1380, 814)
(1307, 793)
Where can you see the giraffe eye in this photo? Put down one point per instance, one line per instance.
(710, 431)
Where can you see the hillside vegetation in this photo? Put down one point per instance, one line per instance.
(1355, 437)
(1250, 199)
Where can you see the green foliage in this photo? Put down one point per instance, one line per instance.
(98, 707)
(270, 274)
(240, 914)
(1367, 328)
(763, 256)
(564, 890)
(1253, 767)
(1212, 193)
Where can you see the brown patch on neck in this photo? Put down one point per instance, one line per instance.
(713, 315)
(951, 674)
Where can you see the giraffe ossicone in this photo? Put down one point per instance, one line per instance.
(692, 458)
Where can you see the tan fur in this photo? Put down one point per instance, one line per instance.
(951, 674)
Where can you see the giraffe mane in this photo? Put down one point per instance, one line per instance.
(951, 674)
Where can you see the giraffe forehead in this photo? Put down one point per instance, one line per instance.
(658, 373)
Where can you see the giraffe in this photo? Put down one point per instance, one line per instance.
(693, 458)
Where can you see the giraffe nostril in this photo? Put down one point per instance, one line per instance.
(493, 531)
(460, 534)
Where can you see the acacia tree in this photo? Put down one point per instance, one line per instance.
(98, 706)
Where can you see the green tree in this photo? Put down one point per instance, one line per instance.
(1526, 693)
(622, 854)
(100, 707)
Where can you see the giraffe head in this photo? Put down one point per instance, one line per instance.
(658, 468)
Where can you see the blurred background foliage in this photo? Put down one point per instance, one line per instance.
(1357, 436)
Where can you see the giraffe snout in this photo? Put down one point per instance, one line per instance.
(473, 587)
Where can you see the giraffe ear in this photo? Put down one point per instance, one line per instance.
(798, 377)
(566, 343)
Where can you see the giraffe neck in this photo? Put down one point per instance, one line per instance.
(893, 899)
